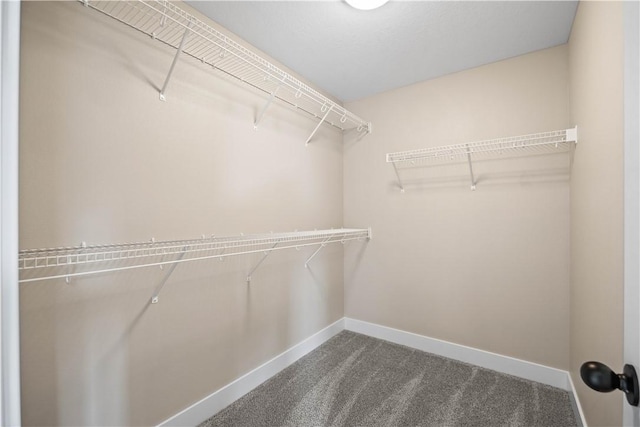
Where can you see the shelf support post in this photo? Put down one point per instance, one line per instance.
(266, 254)
(175, 61)
(264, 108)
(473, 180)
(318, 126)
(154, 298)
(322, 245)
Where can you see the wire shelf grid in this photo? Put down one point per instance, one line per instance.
(166, 22)
(537, 143)
(556, 139)
(103, 258)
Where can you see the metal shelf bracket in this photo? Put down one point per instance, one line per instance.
(322, 245)
(395, 168)
(264, 108)
(364, 131)
(175, 61)
(328, 110)
(67, 279)
(156, 294)
(266, 254)
(473, 180)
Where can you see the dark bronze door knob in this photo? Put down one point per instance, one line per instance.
(601, 378)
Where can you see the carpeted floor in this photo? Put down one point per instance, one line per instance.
(355, 380)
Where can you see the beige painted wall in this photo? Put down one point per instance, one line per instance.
(596, 76)
(489, 268)
(102, 160)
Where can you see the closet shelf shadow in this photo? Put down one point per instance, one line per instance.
(546, 142)
(167, 23)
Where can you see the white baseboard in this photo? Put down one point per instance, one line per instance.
(496, 362)
(575, 401)
(210, 405)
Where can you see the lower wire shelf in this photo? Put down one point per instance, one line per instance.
(56, 263)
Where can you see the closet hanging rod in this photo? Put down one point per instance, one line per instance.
(166, 22)
(56, 263)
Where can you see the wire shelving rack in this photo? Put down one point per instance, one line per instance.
(545, 142)
(67, 262)
(169, 24)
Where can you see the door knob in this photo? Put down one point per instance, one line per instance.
(601, 378)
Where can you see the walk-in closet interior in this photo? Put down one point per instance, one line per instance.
(206, 203)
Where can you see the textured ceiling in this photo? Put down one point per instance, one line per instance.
(354, 54)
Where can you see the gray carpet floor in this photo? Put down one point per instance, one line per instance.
(355, 380)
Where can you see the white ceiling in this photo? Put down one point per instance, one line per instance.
(354, 54)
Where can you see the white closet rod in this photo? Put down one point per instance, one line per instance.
(56, 263)
(558, 139)
(171, 25)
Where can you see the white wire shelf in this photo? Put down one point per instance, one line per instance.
(545, 142)
(167, 23)
(67, 262)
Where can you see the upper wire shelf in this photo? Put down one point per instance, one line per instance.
(553, 141)
(166, 22)
(43, 264)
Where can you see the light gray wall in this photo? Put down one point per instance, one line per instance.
(489, 268)
(597, 240)
(102, 160)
